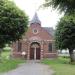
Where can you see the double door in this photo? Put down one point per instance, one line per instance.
(35, 53)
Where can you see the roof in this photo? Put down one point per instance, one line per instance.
(35, 19)
(50, 30)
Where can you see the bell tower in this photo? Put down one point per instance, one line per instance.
(35, 21)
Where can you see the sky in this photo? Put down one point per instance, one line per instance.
(47, 16)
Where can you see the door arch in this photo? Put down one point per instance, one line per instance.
(35, 51)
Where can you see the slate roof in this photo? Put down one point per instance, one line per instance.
(50, 30)
(35, 19)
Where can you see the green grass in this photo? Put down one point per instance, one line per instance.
(61, 66)
(9, 64)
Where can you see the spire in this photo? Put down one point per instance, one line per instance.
(35, 19)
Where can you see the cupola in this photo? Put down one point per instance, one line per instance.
(35, 19)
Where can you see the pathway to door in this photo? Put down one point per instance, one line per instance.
(31, 68)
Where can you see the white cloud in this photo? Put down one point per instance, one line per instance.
(48, 17)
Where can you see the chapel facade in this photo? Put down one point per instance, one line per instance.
(37, 43)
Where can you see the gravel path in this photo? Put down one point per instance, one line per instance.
(31, 68)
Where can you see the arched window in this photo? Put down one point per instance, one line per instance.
(50, 47)
(19, 46)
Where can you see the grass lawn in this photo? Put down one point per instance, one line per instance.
(7, 64)
(61, 66)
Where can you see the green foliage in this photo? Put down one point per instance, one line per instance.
(62, 5)
(7, 48)
(5, 54)
(65, 34)
(7, 65)
(69, 17)
(13, 22)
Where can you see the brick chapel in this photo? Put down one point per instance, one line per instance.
(37, 43)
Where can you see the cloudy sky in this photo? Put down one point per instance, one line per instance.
(48, 17)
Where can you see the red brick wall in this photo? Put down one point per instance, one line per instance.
(42, 36)
(42, 33)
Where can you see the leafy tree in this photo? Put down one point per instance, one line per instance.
(65, 35)
(65, 31)
(13, 22)
(62, 5)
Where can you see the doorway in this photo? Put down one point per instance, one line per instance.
(35, 51)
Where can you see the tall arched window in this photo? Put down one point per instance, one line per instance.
(19, 46)
(50, 47)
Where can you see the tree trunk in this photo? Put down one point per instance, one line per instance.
(72, 55)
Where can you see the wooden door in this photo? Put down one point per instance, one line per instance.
(31, 53)
(38, 53)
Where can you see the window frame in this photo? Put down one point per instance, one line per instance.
(50, 47)
(34, 31)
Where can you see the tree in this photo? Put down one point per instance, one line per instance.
(65, 31)
(13, 22)
(62, 5)
(65, 35)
